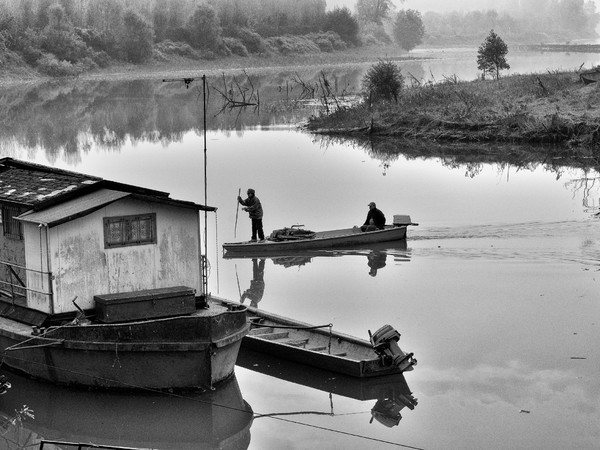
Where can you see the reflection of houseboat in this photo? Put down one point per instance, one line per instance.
(391, 392)
(215, 419)
(103, 284)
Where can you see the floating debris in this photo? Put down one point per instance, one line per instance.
(577, 357)
(525, 411)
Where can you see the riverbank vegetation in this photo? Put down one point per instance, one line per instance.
(59, 38)
(545, 108)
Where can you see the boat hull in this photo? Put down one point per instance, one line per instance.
(316, 346)
(188, 352)
(323, 240)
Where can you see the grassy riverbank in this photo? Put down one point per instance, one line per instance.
(537, 108)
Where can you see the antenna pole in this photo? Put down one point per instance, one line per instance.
(205, 268)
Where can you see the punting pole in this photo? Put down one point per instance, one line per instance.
(237, 210)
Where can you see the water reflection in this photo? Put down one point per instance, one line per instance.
(257, 286)
(71, 118)
(32, 411)
(376, 255)
(391, 392)
(472, 157)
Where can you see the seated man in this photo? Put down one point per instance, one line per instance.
(375, 219)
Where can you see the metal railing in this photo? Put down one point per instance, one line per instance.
(16, 286)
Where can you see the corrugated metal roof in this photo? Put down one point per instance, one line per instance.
(74, 208)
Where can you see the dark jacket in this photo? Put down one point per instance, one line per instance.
(378, 218)
(254, 207)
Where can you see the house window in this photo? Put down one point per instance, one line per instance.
(129, 230)
(10, 226)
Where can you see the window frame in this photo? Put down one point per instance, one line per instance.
(11, 228)
(129, 221)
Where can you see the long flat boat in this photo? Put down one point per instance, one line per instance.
(188, 350)
(321, 347)
(342, 238)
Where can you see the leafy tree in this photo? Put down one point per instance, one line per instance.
(340, 20)
(138, 37)
(491, 56)
(409, 29)
(383, 81)
(204, 29)
(374, 10)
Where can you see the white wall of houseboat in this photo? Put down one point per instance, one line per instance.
(82, 267)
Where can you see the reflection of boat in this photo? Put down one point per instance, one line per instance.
(297, 257)
(347, 238)
(391, 391)
(322, 347)
(215, 419)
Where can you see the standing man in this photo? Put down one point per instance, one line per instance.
(254, 208)
(375, 219)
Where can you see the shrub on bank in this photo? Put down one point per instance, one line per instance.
(50, 65)
(168, 47)
(235, 46)
(291, 45)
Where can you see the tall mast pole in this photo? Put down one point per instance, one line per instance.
(205, 268)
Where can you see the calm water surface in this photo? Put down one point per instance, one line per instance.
(495, 291)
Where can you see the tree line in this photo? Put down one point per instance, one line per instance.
(67, 37)
(524, 21)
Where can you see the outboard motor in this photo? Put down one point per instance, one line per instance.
(385, 343)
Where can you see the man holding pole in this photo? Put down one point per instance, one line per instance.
(254, 208)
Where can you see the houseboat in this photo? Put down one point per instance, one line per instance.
(103, 284)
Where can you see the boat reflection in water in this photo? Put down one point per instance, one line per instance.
(377, 255)
(33, 411)
(391, 391)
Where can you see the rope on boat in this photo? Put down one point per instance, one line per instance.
(49, 344)
(216, 250)
(18, 345)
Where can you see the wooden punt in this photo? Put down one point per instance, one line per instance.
(342, 238)
(321, 347)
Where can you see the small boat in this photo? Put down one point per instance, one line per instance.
(342, 238)
(589, 77)
(194, 349)
(321, 347)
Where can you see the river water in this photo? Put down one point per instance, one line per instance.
(495, 291)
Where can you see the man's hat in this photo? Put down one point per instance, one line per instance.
(250, 191)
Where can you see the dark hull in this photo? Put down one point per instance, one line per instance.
(185, 352)
(323, 240)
